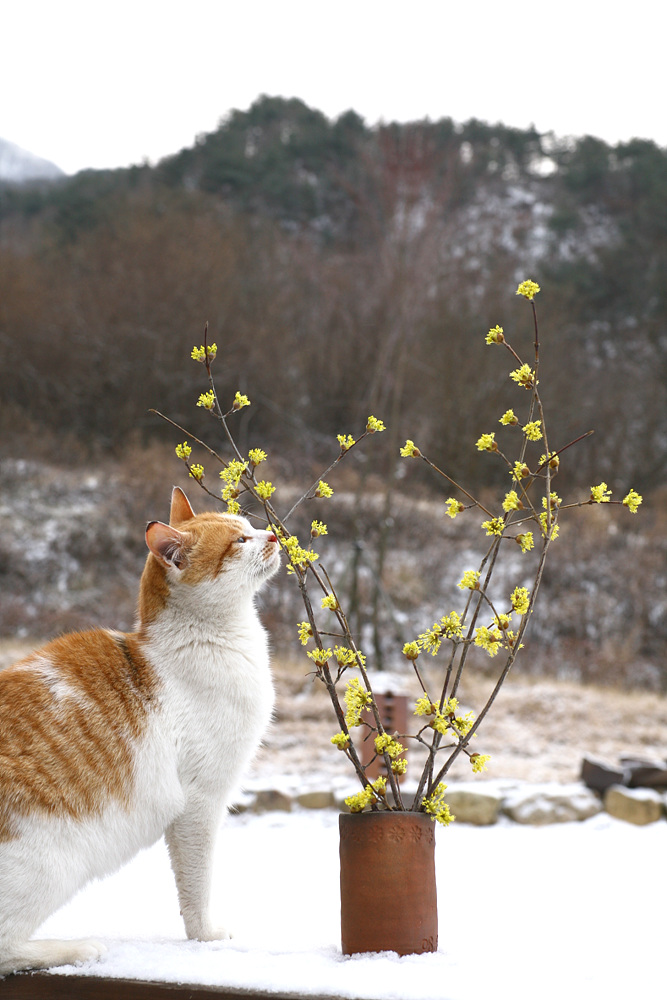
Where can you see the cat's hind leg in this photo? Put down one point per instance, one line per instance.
(48, 954)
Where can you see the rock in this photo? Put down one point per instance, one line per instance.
(599, 775)
(645, 773)
(473, 806)
(271, 800)
(634, 805)
(317, 800)
(551, 803)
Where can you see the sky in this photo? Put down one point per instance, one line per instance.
(108, 85)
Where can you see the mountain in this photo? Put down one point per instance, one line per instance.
(19, 166)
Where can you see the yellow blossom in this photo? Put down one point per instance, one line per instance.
(323, 490)
(520, 600)
(399, 766)
(488, 639)
(319, 656)
(454, 507)
(512, 502)
(533, 430)
(207, 400)
(347, 657)
(554, 460)
(525, 540)
(520, 471)
(424, 706)
(317, 528)
(298, 557)
(509, 418)
(384, 743)
(345, 441)
(470, 580)
(330, 602)
(357, 700)
(341, 740)
(632, 501)
(410, 450)
(264, 489)
(479, 761)
(495, 335)
(183, 450)
(495, 526)
(197, 472)
(524, 376)
(359, 801)
(305, 632)
(553, 530)
(374, 425)
(233, 507)
(436, 807)
(486, 443)
(256, 455)
(240, 401)
(528, 289)
(411, 650)
(600, 494)
(554, 501)
(200, 353)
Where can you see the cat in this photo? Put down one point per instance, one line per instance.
(109, 740)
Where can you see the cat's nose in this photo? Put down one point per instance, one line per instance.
(272, 537)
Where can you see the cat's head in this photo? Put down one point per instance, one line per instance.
(211, 556)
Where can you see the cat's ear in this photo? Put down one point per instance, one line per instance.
(180, 507)
(166, 544)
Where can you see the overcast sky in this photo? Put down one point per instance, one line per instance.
(90, 84)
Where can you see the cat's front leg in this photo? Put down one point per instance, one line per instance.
(191, 840)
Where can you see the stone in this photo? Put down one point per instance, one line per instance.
(317, 800)
(599, 775)
(634, 805)
(473, 805)
(645, 773)
(539, 805)
(271, 800)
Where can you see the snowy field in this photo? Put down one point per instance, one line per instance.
(566, 911)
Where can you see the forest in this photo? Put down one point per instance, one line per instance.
(343, 270)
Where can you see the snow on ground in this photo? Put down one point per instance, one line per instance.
(570, 910)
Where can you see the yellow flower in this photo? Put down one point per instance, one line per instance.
(399, 766)
(632, 501)
(197, 472)
(240, 401)
(528, 289)
(317, 528)
(520, 471)
(512, 502)
(341, 740)
(347, 657)
(305, 632)
(454, 507)
(345, 441)
(232, 472)
(200, 354)
(554, 460)
(359, 801)
(486, 443)
(509, 418)
(600, 494)
(323, 490)
(525, 540)
(424, 706)
(256, 455)
(410, 450)
(319, 656)
(495, 526)
(207, 400)
(330, 602)
(451, 625)
(470, 580)
(532, 430)
(488, 639)
(436, 807)
(298, 556)
(233, 507)
(554, 501)
(183, 450)
(554, 530)
(479, 761)
(373, 425)
(524, 376)
(411, 650)
(495, 335)
(520, 600)
(265, 489)
(384, 743)
(357, 700)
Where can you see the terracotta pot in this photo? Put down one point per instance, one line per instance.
(387, 883)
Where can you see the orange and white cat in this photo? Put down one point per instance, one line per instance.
(109, 740)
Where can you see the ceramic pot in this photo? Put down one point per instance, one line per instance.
(387, 883)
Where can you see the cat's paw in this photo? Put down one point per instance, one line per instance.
(89, 951)
(214, 934)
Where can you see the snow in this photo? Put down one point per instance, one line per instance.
(562, 910)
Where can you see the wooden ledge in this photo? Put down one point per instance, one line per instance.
(41, 986)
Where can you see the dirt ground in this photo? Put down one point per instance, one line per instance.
(537, 730)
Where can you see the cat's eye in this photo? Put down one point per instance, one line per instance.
(242, 539)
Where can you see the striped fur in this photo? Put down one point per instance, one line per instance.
(109, 740)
